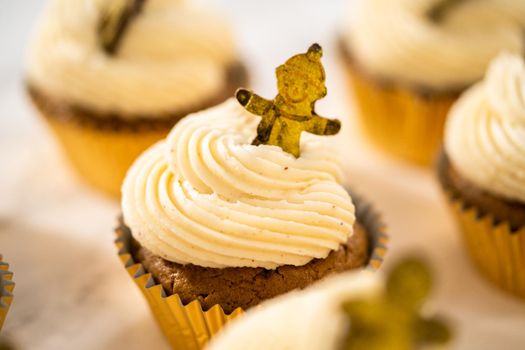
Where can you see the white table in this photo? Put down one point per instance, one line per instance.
(71, 290)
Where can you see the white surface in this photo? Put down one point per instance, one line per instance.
(72, 292)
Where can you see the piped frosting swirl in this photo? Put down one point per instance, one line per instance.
(399, 41)
(485, 132)
(206, 196)
(171, 57)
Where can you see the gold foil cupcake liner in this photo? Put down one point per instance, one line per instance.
(497, 250)
(400, 121)
(102, 156)
(6, 290)
(188, 326)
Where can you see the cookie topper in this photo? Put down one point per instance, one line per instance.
(114, 20)
(392, 320)
(300, 83)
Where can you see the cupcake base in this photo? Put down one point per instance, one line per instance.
(102, 147)
(493, 229)
(247, 287)
(190, 324)
(401, 121)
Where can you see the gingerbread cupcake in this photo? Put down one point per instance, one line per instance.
(352, 311)
(408, 61)
(113, 77)
(482, 170)
(233, 209)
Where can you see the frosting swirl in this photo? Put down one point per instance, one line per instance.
(485, 132)
(206, 196)
(397, 40)
(172, 56)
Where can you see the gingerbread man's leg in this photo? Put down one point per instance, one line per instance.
(287, 136)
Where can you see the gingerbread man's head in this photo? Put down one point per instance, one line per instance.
(300, 80)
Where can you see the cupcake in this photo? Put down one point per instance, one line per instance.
(408, 61)
(352, 311)
(482, 169)
(112, 77)
(222, 214)
(6, 290)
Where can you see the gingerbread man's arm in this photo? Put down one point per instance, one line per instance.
(252, 102)
(322, 126)
(259, 106)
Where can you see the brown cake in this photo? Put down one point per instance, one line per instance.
(502, 209)
(246, 287)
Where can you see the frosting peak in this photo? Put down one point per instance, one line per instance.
(172, 56)
(206, 196)
(505, 88)
(485, 133)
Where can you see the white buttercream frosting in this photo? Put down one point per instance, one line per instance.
(312, 319)
(206, 196)
(396, 40)
(172, 56)
(485, 132)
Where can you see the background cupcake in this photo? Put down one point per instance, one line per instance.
(112, 77)
(409, 60)
(222, 225)
(483, 171)
(352, 311)
(6, 289)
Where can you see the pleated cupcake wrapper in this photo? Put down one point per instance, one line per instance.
(497, 250)
(189, 327)
(102, 157)
(400, 121)
(6, 290)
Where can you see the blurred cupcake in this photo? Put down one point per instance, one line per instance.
(222, 220)
(6, 289)
(409, 60)
(352, 311)
(483, 171)
(112, 77)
